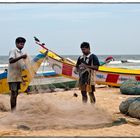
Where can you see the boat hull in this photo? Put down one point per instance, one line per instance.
(105, 75)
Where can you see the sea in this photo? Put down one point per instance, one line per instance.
(120, 61)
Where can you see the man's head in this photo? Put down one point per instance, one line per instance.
(85, 47)
(20, 41)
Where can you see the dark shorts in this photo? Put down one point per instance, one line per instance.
(93, 88)
(14, 86)
(84, 78)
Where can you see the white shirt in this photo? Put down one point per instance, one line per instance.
(15, 69)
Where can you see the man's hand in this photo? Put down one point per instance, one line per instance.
(13, 60)
(82, 66)
(24, 56)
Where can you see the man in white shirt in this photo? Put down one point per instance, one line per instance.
(15, 67)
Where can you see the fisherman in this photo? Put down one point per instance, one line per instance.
(15, 66)
(86, 66)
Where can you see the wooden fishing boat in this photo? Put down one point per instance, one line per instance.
(105, 75)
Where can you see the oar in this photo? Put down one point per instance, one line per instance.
(44, 47)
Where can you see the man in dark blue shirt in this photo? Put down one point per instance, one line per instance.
(86, 66)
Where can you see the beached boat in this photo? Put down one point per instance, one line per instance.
(27, 74)
(105, 75)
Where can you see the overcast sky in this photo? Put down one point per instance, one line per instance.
(109, 28)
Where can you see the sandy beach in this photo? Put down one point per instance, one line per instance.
(60, 114)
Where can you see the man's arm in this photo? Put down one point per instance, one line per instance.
(78, 63)
(95, 63)
(93, 67)
(96, 60)
(13, 60)
(90, 67)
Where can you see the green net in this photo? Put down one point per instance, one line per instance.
(130, 87)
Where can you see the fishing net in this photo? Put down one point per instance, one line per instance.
(130, 87)
(131, 107)
(42, 83)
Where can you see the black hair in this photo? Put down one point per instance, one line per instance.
(85, 45)
(20, 40)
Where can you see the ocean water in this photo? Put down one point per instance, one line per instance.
(4, 59)
(121, 61)
(103, 57)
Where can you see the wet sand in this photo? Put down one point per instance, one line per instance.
(60, 114)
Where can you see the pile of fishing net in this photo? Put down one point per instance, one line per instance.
(131, 107)
(130, 87)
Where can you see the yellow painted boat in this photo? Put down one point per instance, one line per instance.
(105, 75)
(27, 74)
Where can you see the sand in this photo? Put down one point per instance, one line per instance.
(60, 114)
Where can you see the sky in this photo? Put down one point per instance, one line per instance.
(109, 28)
